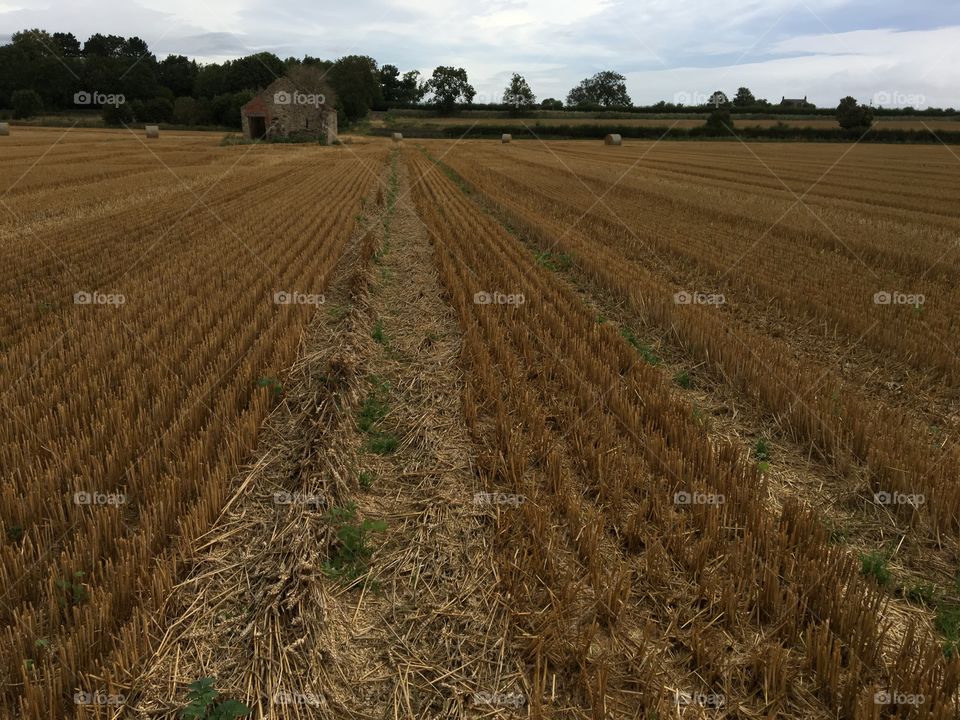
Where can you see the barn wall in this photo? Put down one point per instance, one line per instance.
(286, 119)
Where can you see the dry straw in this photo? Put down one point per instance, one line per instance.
(153, 131)
(613, 139)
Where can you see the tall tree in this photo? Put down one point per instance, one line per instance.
(356, 81)
(34, 60)
(67, 45)
(718, 98)
(411, 89)
(744, 98)
(450, 85)
(107, 46)
(211, 81)
(390, 83)
(177, 73)
(605, 89)
(26, 103)
(252, 72)
(518, 94)
(853, 116)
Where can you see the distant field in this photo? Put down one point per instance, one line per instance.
(659, 430)
(905, 123)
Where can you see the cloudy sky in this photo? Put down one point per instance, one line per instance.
(898, 52)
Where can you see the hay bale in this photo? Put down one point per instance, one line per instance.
(506, 137)
(613, 139)
(4, 128)
(397, 137)
(153, 131)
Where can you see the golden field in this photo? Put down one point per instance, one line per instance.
(707, 394)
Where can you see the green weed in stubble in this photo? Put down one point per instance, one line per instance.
(204, 703)
(351, 553)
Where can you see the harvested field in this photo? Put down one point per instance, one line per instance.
(440, 429)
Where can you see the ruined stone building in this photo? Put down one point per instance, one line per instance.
(286, 110)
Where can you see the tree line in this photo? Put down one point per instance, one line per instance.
(54, 72)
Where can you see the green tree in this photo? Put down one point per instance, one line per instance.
(225, 108)
(135, 48)
(185, 111)
(551, 104)
(310, 61)
(156, 110)
(412, 90)
(720, 122)
(67, 45)
(852, 115)
(390, 83)
(26, 103)
(177, 73)
(744, 98)
(449, 85)
(401, 89)
(718, 98)
(252, 72)
(211, 81)
(518, 94)
(605, 89)
(116, 115)
(107, 46)
(356, 81)
(33, 60)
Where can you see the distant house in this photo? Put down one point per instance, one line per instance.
(285, 110)
(795, 102)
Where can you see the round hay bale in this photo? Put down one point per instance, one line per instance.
(613, 139)
(4, 128)
(397, 137)
(153, 131)
(506, 137)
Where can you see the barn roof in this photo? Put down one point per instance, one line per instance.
(285, 84)
(256, 106)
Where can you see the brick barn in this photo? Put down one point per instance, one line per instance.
(287, 110)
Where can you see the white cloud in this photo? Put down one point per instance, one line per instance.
(862, 64)
(663, 46)
(211, 15)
